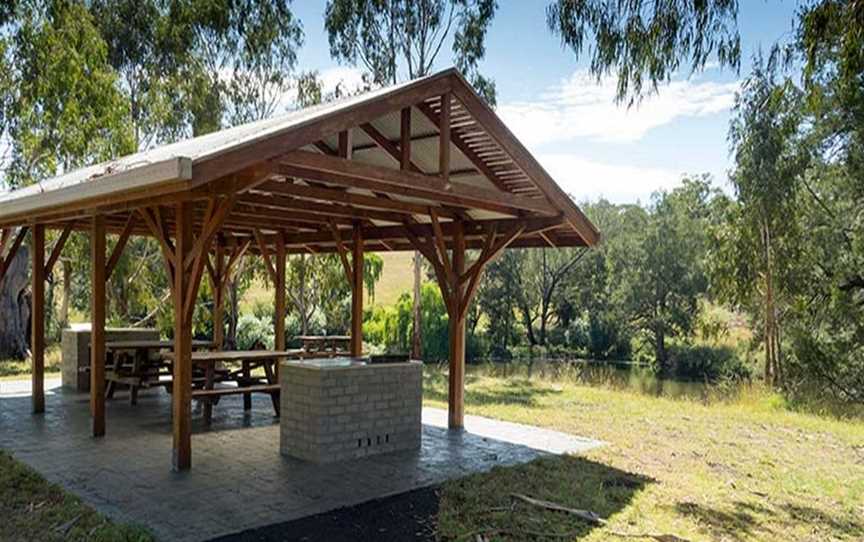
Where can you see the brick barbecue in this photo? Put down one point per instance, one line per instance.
(334, 410)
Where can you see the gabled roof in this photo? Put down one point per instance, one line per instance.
(341, 162)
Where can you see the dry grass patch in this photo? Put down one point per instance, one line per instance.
(745, 470)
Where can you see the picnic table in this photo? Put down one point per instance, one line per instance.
(323, 343)
(247, 383)
(133, 363)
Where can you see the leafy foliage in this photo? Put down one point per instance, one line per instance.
(392, 37)
(645, 42)
(62, 109)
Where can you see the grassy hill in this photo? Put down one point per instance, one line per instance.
(396, 277)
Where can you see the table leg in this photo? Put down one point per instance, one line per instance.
(209, 382)
(116, 358)
(247, 397)
(139, 367)
(272, 378)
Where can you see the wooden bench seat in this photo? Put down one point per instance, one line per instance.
(218, 392)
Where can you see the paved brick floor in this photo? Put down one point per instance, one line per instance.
(238, 480)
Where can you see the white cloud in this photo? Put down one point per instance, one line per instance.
(348, 78)
(586, 179)
(579, 107)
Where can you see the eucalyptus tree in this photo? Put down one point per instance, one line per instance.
(665, 277)
(396, 39)
(645, 42)
(190, 67)
(756, 266)
(62, 109)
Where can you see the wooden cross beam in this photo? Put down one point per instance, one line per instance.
(473, 230)
(343, 252)
(58, 249)
(349, 198)
(265, 255)
(343, 172)
(151, 218)
(122, 241)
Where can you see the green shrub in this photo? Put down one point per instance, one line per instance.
(707, 363)
(254, 333)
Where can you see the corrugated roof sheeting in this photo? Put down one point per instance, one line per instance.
(476, 160)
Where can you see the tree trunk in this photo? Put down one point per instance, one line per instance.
(233, 314)
(416, 337)
(544, 316)
(660, 350)
(67, 294)
(15, 308)
(770, 335)
(529, 325)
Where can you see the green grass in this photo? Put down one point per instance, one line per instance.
(397, 277)
(742, 469)
(16, 369)
(34, 510)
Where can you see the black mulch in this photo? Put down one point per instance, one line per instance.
(408, 516)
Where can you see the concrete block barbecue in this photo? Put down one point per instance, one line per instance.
(338, 409)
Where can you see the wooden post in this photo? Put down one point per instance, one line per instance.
(405, 165)
(279, 285)
(357, 293)
(456, 393)
(405, 139)
(182, 384)
(346, 144)
(444, 141)
(218, 287)
(37, 328)
(97, 325)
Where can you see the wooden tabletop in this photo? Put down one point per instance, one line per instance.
(324, 338)
(152, 344)
(239, 355)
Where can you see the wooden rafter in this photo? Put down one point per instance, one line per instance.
(465, 148)
(384, 143)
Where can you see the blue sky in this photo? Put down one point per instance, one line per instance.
(592, 147)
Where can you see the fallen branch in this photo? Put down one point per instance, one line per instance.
(585, 515)
(657, 537)
(66, 527)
